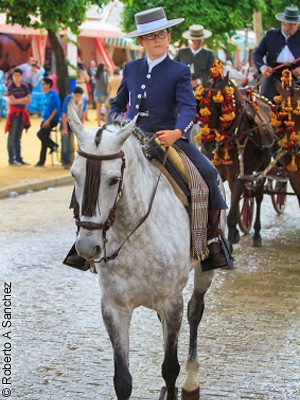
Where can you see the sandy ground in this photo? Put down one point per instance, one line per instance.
(30, 150)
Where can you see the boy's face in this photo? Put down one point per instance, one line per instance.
(156, 47)
(17, 78)
(77, 97)
(46, 88)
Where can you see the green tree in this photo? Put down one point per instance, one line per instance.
(222, 17)
(52, 15)
(269, 9)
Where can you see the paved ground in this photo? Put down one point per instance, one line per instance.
(248, 340)
(22, 179)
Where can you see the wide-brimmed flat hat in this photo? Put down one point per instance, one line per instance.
(291, 15)
(196, 32)
(150, 21)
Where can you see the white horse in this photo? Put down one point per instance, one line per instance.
(154, 264)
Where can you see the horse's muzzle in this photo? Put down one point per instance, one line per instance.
(85, 248)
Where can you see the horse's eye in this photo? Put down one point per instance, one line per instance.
(114, 181)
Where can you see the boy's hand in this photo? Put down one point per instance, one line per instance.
(169, 137)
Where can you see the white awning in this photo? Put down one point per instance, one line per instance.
(89, 28)
(17, 29)
(98, 28)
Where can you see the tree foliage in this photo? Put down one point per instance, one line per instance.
(51, 15)
(222, 17)
(269, 10)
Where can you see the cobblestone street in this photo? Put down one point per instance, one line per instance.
(249, 338)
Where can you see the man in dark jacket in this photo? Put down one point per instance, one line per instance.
(279, 46)
(196, 57)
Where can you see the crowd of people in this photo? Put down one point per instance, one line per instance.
(28, 89)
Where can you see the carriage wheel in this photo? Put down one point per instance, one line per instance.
(278, 199)
(246, 208)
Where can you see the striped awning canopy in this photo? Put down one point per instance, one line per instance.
(118, 42)
(122, 43)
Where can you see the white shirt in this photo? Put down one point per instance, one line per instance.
(195, 51)
(154, 63)
(192, 68)
(285, 55)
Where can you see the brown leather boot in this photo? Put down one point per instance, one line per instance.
(216, 256)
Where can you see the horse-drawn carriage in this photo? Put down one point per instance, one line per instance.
(253, 143)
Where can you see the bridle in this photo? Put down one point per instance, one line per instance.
(110, 219)
(111, 216)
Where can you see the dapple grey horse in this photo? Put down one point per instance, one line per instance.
(154, 263)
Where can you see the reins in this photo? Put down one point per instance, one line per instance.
(109, 222)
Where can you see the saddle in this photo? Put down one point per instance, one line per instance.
(176, 174)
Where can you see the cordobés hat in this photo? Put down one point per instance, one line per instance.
(291, 15)
(196, 32)
(150, 21)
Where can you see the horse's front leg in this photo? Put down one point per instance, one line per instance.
(236, 189)
(202, 281)
(117, 322)
(256, 238)
(170, 317)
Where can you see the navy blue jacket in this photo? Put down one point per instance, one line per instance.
(170, 97)
(271, 45)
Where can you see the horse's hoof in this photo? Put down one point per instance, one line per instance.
(256, 242)
(235, 237)
(163, 393)
(194, 395)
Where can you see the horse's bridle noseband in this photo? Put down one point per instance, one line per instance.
(110, 219)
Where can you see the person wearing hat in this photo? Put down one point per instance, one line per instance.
(279, 46)
(158, 90)
(199, 59)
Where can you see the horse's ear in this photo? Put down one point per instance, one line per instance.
(75, 123)
(127, 130)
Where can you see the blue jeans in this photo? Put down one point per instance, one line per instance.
(65, 149)
(14, 138)
(44, 136)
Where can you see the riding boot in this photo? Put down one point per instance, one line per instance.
(218, 246)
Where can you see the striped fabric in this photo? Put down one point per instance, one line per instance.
(199, 208)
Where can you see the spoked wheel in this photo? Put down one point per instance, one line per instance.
(278, 199)
(246, 211)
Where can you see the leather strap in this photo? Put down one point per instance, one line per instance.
(100, 158)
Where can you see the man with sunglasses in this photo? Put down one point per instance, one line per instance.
(159, 90)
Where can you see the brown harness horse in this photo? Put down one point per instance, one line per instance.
(238, 138)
